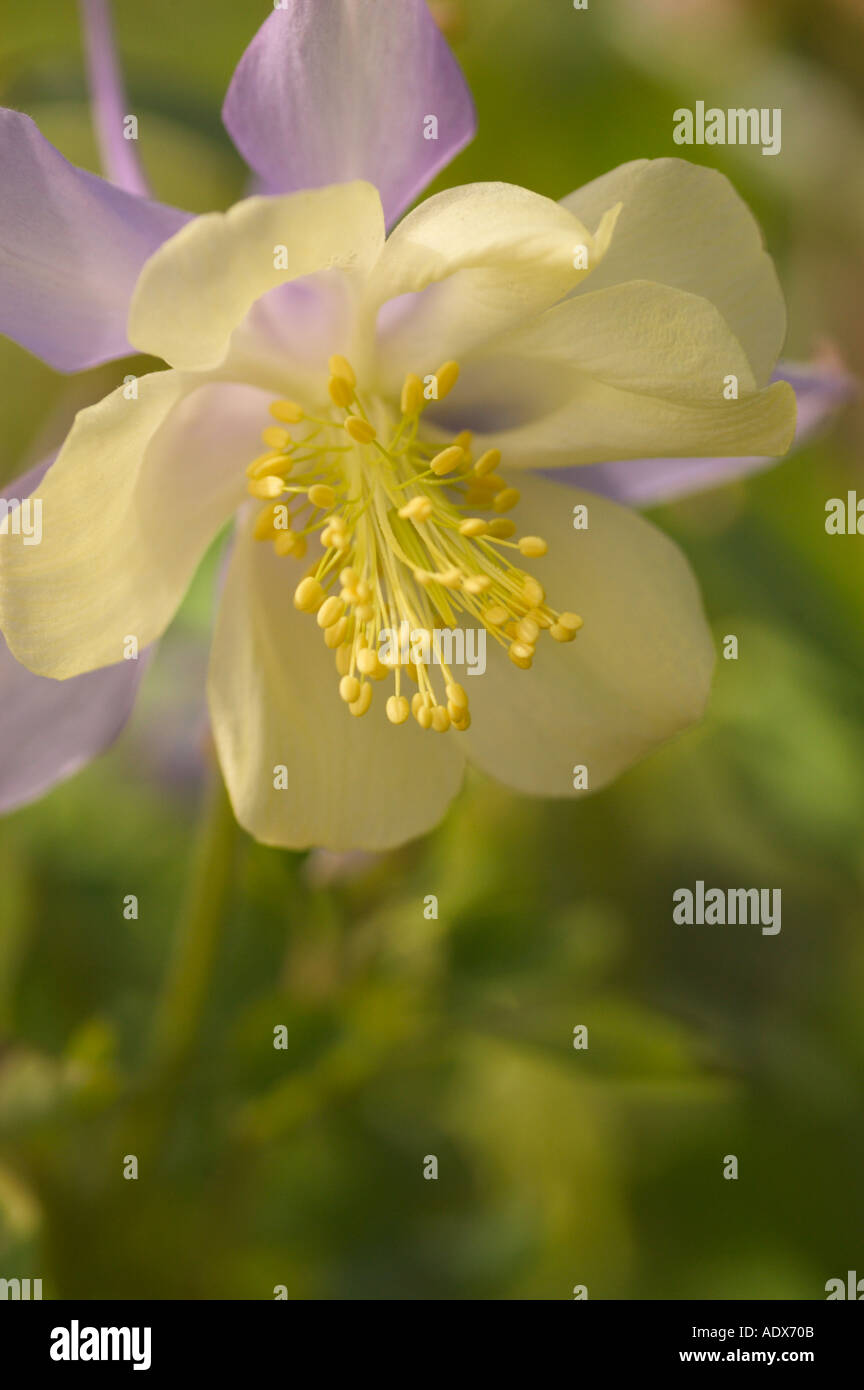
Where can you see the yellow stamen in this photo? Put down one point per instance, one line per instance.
(521, 654)
(265, 487)
(268, 463)
(289, 412)
(320, 495)
(505, 500)
(309, 595)
(340, 366)
(446, 378)
(418, 509)
(341, 391)
(412, 395)
(570, 620)
(487, 463)
(447, 460)
(331, 611)
(359, 706)
(401, 549)
(275, 437)
(397, 709)
(360, 429)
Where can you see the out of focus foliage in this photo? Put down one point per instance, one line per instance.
(410, 1036)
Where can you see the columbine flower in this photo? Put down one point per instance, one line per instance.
(371, 409)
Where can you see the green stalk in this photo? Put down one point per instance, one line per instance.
(184, 995)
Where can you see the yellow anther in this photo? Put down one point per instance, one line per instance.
(335, 634)
(321, 495)
(521, 654)
(369, 664)
(268, 463)
(397, 709)
(412, 394)
(275, 437)
(570, 620)
(477, 584)
(289, 412)
(360, 429)
(446, 378)
(447, 460)
(542, 619)
(487, 486)
(487, 463)
(418, 509)
(506, 499)
(308, 596)
(285, 543)
(363, 701)
(334, 535)
(451, 579)
(496, 615)
(340, 366)
(341, 391)
(264, 529)
(376, 588)
(331, 611)
(266, 488)
(440, 719)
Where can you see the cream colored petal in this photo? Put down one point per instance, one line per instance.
(626, 372)
(137, 493)
(602, 422)
(201, 283)
(475, 260)
(684, 225)
(641, 337)
(273, 691)
(637, 673)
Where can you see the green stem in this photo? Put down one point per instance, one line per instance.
(184, 995)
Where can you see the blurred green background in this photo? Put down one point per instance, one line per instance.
(407, 1036)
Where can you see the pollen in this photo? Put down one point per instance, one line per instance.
(399, 544)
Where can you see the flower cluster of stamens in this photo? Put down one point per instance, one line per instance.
(404, 541)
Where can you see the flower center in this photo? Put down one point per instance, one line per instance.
(407, 548)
